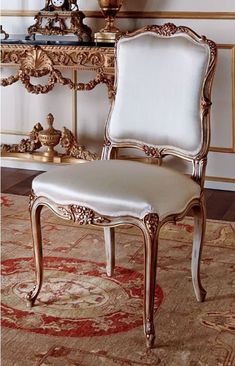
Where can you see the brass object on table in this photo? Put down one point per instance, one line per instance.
(73, 149)
(110, 32)
(60, 17)
(38, 137)
(6, 35)
(50, 137)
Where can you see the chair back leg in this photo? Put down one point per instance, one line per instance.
(198, 239)
(109, 237)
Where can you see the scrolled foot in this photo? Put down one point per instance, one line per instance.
(149, 333)
(29, 303)
(109, 271)
(150, 340)
(201, 295)
(31, 297)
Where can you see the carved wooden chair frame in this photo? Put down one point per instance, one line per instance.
(150, 225)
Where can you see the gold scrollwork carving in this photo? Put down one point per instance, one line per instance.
(10, 80)
(50, 138)
(107, 142)
(36, 60)
(9, 56)
(60, 22)
(26, 145)
(167, 29)
(32, 198)
(38, 63)
(73, 149)
(152, 152)
(205, 105)
(213, 48)
(151, 221)
(82, 215)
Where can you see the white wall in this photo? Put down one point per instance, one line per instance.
(216, 19)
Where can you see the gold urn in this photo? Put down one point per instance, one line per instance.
(50, 137)
(109, 9)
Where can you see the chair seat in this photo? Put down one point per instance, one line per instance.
(132, 188)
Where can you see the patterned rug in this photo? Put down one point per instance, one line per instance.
(84, 318)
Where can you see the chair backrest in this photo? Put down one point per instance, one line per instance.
(162, 101)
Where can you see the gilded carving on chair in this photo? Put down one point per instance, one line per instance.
(152, 152)
(151, 221)
(205, 105)
(167, 29)
(82, 215)
(79, 214)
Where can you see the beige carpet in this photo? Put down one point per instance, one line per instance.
(84, 318)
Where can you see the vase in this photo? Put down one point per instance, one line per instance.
(109, 9)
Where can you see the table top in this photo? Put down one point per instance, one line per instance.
(69, 40)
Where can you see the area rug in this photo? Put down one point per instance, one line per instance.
(84, 318)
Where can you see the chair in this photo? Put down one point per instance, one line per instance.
(161, 107)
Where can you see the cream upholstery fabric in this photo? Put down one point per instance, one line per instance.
(118, 187)
(157, 70)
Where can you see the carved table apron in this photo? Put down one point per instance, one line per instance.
(49, 58)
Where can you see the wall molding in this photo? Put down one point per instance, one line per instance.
(220, 179)
(14, 133)
(233, 95)
(74, 105)
(138, 14)
(231, 149)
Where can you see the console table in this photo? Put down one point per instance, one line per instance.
(48, 57)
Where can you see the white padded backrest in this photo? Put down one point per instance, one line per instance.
(159, 85)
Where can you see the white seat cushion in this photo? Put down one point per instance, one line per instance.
(119, 187)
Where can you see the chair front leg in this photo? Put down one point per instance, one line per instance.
(151, 234)
(198, 239)
(109, 237)
(35, 213)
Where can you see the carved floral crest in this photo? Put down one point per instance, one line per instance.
(167, 29)
(82, 215)
(152, 152)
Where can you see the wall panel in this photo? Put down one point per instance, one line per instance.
(86, 112)
(21, 111)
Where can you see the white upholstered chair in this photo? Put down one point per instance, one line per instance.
(161, 107)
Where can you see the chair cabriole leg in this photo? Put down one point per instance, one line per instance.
(151, 247)
(198, 238)
(37, 248)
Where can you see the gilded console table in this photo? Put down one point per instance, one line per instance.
(40, 57)
(36, 58)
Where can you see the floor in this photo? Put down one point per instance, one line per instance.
(220, 204)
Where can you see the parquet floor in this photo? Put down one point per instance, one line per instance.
(220, 204)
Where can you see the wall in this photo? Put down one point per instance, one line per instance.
(88, 110)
